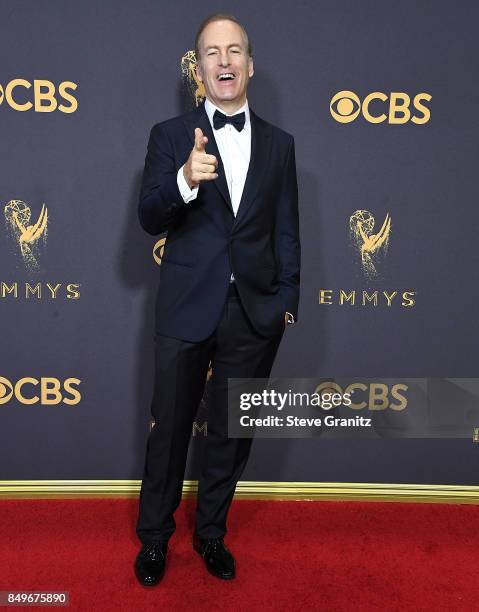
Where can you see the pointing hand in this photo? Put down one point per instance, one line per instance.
(200, 166)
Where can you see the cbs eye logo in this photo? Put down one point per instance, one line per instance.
(372, 396)
(45, 97)
(345, 107)
(44, 391)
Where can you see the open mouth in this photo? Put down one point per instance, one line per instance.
(226, 76)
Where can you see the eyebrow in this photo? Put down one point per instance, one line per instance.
(217, 47)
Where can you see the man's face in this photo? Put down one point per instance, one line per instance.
(223, 51)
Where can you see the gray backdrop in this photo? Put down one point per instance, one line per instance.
(86, 167)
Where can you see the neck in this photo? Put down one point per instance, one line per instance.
(227, 107)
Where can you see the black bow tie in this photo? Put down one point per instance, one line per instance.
(238, 120)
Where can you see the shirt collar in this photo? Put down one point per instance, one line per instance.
(210, 111)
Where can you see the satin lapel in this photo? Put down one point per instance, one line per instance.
(199, 118)
(258, 165)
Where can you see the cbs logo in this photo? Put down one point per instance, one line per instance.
(345, 107)
(46, 390)
(45, 96)
(373, 396)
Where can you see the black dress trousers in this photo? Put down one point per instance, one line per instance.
(236, 350)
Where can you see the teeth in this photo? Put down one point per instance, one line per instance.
(221, 77)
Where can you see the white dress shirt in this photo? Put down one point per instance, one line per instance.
(235, 150)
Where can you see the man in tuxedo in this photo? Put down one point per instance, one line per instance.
(222, 182)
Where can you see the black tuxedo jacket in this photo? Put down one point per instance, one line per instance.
(206, 242)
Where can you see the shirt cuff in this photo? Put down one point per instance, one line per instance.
(290, 318)
(186, 193)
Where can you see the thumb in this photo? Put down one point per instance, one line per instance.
(200, 140)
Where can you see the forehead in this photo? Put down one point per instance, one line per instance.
(223, 32)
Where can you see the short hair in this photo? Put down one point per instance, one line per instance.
(220, 17)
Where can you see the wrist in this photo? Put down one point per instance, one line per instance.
(191, 184)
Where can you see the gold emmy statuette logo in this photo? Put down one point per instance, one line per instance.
(158, 249)
(475, 434)
(370, 246)
(189, 78)
(26, 235)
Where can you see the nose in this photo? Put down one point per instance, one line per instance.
(223, 56)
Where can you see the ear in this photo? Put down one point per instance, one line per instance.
(250, 67)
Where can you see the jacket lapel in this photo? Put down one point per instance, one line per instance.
(258, 165)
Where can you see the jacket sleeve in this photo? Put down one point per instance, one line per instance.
(160, 198)
(287, 235)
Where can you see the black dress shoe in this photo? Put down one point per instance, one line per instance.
(218, 559)
(150, 563)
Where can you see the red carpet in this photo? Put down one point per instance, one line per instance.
(290, 556)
